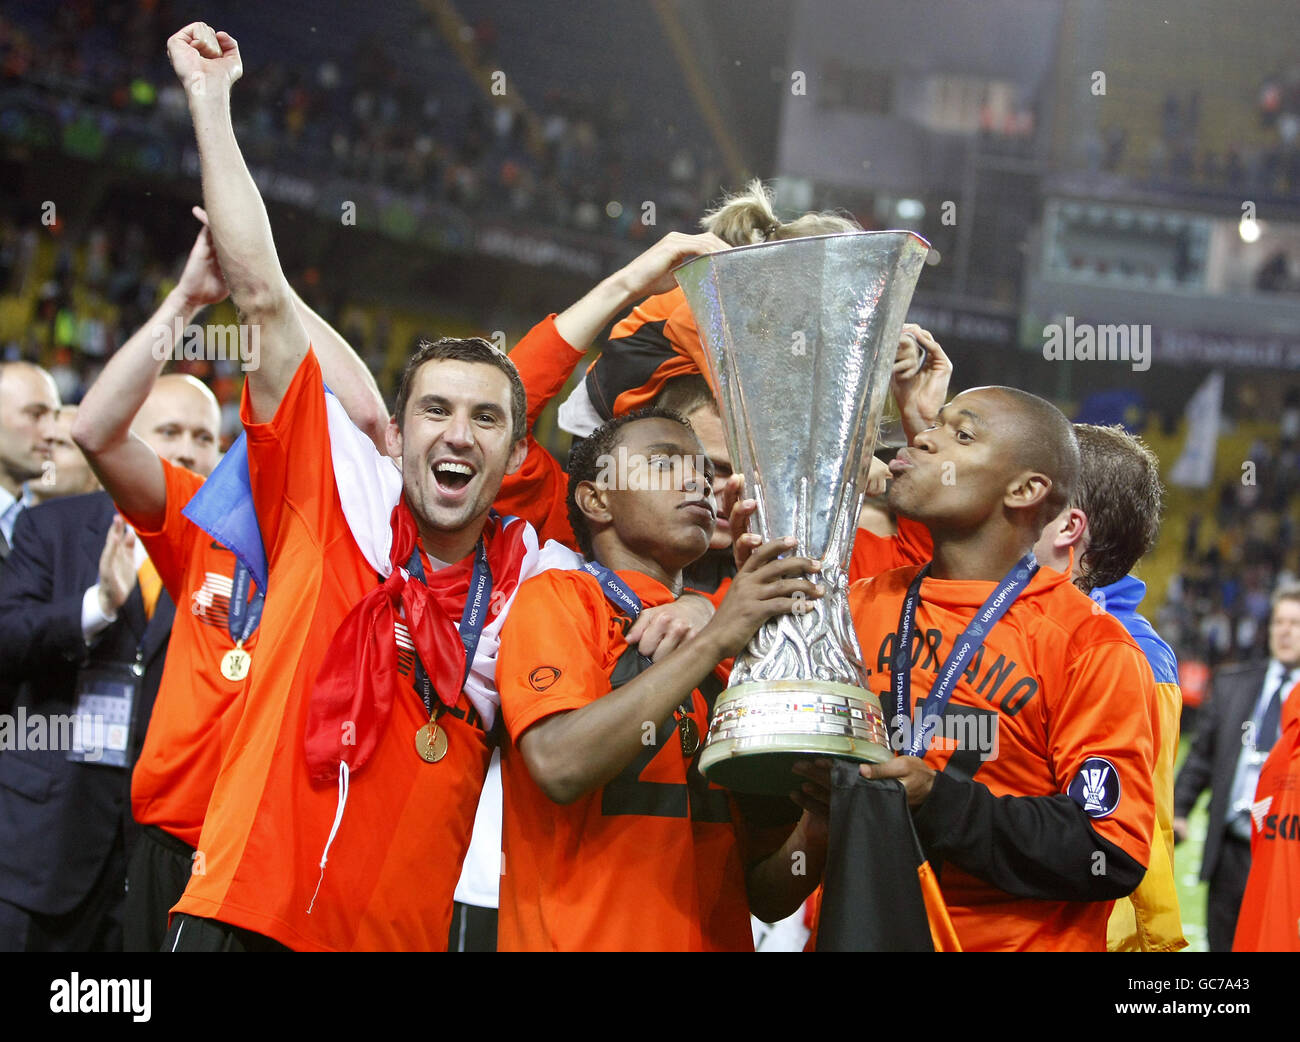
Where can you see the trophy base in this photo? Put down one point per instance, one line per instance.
(760, 730)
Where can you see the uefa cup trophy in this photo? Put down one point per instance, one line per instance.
(800, 337)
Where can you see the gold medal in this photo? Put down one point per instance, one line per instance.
(689, 735)
(431, 742)
(235, 662)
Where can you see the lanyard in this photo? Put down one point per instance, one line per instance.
(931, 709)
(244, 615)
(615, 589)
(472, 619)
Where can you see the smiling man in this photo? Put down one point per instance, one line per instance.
(1038, 834)
(613, 839)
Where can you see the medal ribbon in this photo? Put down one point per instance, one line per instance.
(615, 589)
(244, 615)
(972, 637)
(472, 620)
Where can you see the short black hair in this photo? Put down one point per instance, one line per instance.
(472, 349)
(586, 462)
(1046, 444)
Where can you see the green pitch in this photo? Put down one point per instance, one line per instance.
(1187, 866)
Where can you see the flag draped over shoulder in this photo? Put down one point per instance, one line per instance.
(1270, 909)
(223, 507)
(879, 893)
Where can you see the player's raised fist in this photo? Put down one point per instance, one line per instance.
(206, 62)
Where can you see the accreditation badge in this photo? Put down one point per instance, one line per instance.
(101, 725)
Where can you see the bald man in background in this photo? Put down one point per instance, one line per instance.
(29, 401)
(84, 625)
(153, 440)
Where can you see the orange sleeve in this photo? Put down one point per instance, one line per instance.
(653, 344)
(545, 361)
(549, 661)
(684, 335)
(538, 492)
(874, 555)
(305, 482)
(171, 546)
(1104, 709)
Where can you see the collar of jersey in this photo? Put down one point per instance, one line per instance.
(969, 593)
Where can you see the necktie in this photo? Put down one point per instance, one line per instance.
(1268, 727)
(150, 586)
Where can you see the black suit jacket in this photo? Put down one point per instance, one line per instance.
(1213, 758)
(60, 819)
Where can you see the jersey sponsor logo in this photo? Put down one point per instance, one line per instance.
(211, 601)
(1259, 811)
(543, 677)
(1284, 826)
(1096, 787)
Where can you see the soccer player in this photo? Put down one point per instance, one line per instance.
(1042, 815)
(612, 839)
(216, 632)
(342, 809)
(1109, 526)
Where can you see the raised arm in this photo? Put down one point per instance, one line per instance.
(126, 466)
(345, 374)
(208, 64)
(649, 273)
(609, 731)
(341, 368)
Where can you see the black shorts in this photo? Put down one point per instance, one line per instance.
(193, 933)
(156, 877)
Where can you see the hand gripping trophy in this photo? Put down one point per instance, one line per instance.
(800, 337)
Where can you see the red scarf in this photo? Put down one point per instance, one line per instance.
(353, 695)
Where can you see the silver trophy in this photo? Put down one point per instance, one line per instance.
(801, 337)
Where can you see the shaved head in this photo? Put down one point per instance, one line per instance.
(29, 402)
(181, 421)
(1045, 443)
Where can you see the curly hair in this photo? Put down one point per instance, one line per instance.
(587, 460)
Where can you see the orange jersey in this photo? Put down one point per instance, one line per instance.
(1270, 908)
(648, 862)
(657, 341)
(537, 490)
(197, 707)
(405, 825)
(1057, 701)
(874, 555)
